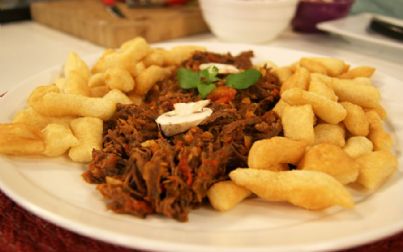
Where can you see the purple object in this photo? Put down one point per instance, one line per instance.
(311, 12)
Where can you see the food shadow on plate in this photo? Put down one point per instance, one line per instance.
(256, 214)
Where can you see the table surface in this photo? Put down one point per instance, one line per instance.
(27, 48)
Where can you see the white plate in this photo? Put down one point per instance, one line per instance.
(54, 190)
(355, 28)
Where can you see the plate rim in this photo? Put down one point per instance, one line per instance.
(63, 222)
(331, 26)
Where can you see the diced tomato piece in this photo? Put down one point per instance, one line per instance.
(222, 94)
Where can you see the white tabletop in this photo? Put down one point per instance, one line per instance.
(27, 48)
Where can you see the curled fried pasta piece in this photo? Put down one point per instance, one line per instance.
(31, 117)
(75, 84)
(76, 74)
(280, 106)
(126, 57)
(276, 150)
(300, 79)
(298, 123)
(58, 139)
(356, 121)
(225, 195)
(377, 134)
(326, 109)
(88, 131)
(178, 54)
(282, 73)
(319, 86)
(324, 65)
(75, 64)
(376, 167)
(361, 71)
(357, 146)
(366, 96)
(308, 189)
(117, 96)
(58, 104)
(119, 78)
(146, 79)
(330, 133)
(20, 139)
(330, 159)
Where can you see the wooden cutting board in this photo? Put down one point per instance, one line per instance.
(90, 20)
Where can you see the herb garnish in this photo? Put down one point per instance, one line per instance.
(205, 80)
(187, 78)
(244, 79)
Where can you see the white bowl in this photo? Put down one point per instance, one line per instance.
(251, 21)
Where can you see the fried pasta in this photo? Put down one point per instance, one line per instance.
(123, 75)
(312, 190)
(305, 131)
(350, 142)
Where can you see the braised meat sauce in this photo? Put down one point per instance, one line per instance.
(139, 171)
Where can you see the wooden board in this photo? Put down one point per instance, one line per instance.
(90, 20)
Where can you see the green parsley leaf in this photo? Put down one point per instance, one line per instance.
(244, 79)
(209, 74)
(203, 80)
(187, 78)
(205, 88)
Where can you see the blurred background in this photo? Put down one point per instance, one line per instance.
(109, 22)
(37, 34)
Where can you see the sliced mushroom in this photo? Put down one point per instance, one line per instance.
(222, 68)
(184, 117)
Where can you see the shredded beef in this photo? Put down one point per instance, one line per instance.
(139, 171)
(241, 61)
